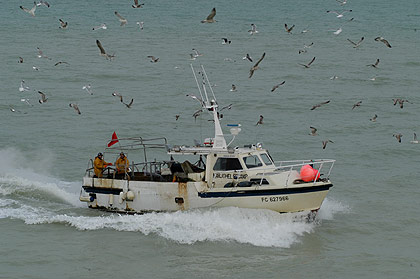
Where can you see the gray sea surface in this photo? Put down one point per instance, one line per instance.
(368, 226)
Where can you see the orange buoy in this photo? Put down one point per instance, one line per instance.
(307, 173)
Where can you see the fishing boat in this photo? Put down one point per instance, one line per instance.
(222, 174)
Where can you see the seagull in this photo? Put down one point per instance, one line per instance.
(102, 26)
(255, 67)
(102, 50)
(358, 104)
(415, 140)
(400, 101)
(61, 62)
(247, 57)
(43, 3)
(226, 107)
(129, 104)
(374, 65)
(320, 104)
(339, 15)
(225, 41)
(196, 53)
(355, 45)
(20, 60)
(176, 117)
(41, 54)
(43, 98)
(253, 29)
(63, 24)
(338, 31)
(277, 86)
(308, 46)
(302, 51)
(140, 24)
(27, 102)
(398, 137)
(313, 131)
(116, 94)
(307, 65)
(122, 20)
(197, 114)
(12, 109)
(197, 99)
(23, 87)
(342, 3)
(31, 11)
(210, 19)
(381, 39)
(153, 59)
(333, 77)
(373, 119)
(324, 143)
(35, 68)
(76, 108)
(137, 5)
(233, 89)
(372, 78)
(261, 121)
(87, 88)
(289, 30)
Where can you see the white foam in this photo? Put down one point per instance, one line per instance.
(330, 207)
(17, 175)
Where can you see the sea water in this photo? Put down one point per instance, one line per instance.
(366, 228)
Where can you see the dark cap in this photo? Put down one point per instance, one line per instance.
(100, 154)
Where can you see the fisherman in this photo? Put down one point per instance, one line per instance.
(99, 165)
(122, 165)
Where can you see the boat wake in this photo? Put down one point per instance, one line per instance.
(36, 198)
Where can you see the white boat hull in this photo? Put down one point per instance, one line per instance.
(146, 196)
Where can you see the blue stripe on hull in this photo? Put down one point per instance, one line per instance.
(265, 192)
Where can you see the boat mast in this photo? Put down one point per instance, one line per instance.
(211, 106)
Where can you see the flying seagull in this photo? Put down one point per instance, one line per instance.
(196, 53)
(43, 3)
(415, 140)
(320, 104)
(31, 11)
(116, 94)
(102, 26)
(43, 98)
(140, 24)
(137, 5)
(355, 45)
(260, 121)
(27, 102)
(76, 108)
(374, 65)
(20, 60)
(61, 62)
(122, 20)
(400, 101)
(41, 54)
(381, 39)
(289, 30)
(197, 114)
(307, 65)
(324, 143)
(197, 99)
(255, 67)
(102, 50)
(153, 59)
(253, 29)
(88, 89)
(342, 3)
(225, 41)
(339, 15)
(398, 137)
(226, 107)
(247, 57)
(373, 119)
(277, 86)
(358, 104)
(63, 24)
(313, 131)
(210, 19)
(233, 89)
(23, 87)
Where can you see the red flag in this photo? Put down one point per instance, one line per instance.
(114, 140)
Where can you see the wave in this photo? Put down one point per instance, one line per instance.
(262, 228)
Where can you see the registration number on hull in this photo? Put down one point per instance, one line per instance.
(274, 199)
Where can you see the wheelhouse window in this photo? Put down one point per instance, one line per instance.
(266, 159)
(252, 161)
(227, 164)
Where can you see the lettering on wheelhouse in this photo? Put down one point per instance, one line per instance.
(229, 176)
(274, 199)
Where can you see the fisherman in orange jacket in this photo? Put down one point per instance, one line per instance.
(99, 165)
(122, 164)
